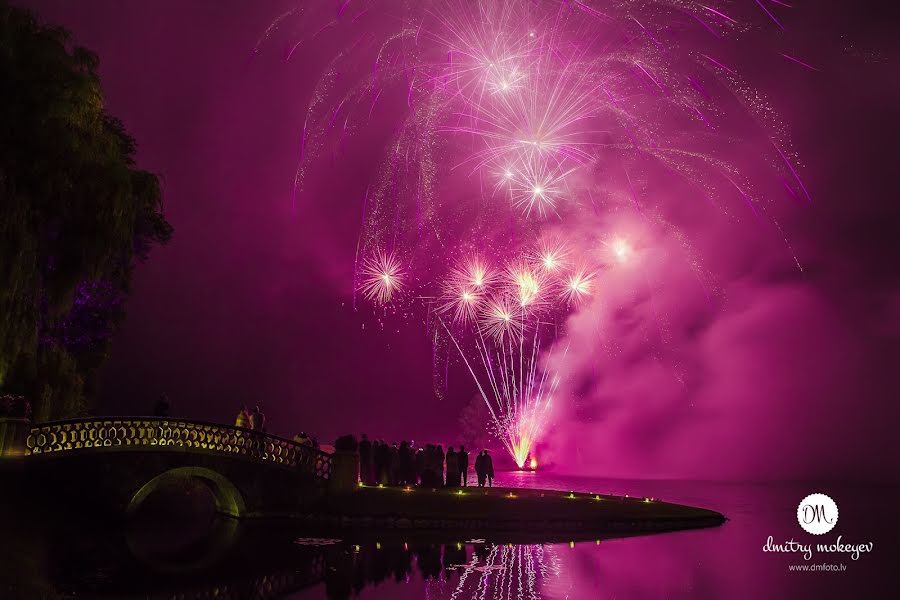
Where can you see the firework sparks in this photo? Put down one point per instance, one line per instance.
(542, 103)
(527, 283)
(463, 302)
(501, 317)
(382, 277)
(578, 286)
(621, 250)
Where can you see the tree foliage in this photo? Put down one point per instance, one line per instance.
(75, 216)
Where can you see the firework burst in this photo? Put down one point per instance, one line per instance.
(501, 317)
(382, 277)
(578, 286)
(534, 110)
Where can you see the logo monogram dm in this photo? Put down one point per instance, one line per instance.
(817, 514)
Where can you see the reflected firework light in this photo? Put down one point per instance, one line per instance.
(507, 571)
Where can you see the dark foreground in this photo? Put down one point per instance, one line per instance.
(193, 554)
(520, 514)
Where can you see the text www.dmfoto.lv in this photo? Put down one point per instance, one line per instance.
(827, 567)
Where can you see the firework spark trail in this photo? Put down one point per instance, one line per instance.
(517, 391)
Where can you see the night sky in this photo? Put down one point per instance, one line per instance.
(795, 378)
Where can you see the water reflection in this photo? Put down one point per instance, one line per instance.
(462, 570)
(204, 557)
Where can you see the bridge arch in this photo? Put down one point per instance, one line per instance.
(228, 498)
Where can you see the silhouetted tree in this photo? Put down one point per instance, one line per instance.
(474, 424)
(75, 215)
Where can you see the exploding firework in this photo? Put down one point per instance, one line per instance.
(513, 382)
(522, 117)
(578, 286)
(509, 342)
(382, 277)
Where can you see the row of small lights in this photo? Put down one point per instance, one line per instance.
(459, 546)
(571, 495)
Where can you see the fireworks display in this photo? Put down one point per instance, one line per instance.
(534, 150)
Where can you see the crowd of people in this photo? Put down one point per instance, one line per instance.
(401, 464)
(381, 463)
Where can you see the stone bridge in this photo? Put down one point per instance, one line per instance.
(114, 464)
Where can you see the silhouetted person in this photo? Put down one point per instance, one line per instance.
(393, 464)
(439, 464)
(382, 456)
(243, 418)
(366, 461)
(161, 408)
(432, 476)
(257, 420)
(463, 458)
(419, 466)
(405, 472)
(489, 468)
(452, 468)
(479, 469)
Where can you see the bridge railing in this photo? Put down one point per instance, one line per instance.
(146, 433)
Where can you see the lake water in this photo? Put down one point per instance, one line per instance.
(266, 562)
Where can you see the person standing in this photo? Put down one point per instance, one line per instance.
(366, 464)
(439, 464)
(452, 468)
(382, 455)
(243, 418)
(405, 470)
(462, 457)
(479, 468)
(393, 464)
(419, 478)
(257, 420)
(489, 468)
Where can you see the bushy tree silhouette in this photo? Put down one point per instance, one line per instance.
(75, 216)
